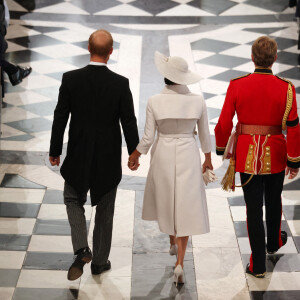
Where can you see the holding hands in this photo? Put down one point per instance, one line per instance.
(133, 160)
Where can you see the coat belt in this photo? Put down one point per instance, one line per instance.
(258, 129)
(175, 135)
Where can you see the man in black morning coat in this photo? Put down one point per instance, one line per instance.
(97, 99)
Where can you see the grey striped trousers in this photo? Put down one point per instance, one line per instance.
(103, 222)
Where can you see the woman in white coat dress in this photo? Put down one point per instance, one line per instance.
(175, 193)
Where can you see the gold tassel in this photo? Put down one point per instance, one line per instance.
(228, 181)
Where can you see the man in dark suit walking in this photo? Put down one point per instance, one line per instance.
(98, 100)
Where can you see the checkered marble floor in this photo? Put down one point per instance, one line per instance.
(215, 37)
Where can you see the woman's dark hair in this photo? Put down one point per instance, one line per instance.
(169, 82)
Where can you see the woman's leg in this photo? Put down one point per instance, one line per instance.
(181, 244)
(172, 240)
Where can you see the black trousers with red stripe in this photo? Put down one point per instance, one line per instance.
(260, 188)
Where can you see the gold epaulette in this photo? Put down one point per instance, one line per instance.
(286, 80)
(241, 76)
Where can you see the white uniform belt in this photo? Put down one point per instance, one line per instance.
(175, 135)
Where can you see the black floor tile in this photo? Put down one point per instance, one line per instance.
(297, 242)
(57, 76)
(152, 272)
(14, 242)
(56, 197)
(19, 138)
(78, 60)
(93, 6)
(212, 45)
(22, 157)
(9, 277)
(42, 108)
(291, 212)
(265, 30)
(32, 125)
(293, 73)
(52, 227)
(45, 29)
(228, 75)
(51, 92)
(275, 295)
(226, 61)
(154, 6)
(284, 43)
(17, 181)
(31, 5)
(241, 228)
(213, 112)
(287, 58)
(48, 261)
(236, 201)
(24, 56)
(292, 186)
(19, 210)
(208, 96)
(214, 7)
(273, 5)
(34, 41)
(45, 294)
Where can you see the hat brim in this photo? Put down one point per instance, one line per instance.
(173, 74)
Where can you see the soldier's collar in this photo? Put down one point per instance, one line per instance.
(263, 71)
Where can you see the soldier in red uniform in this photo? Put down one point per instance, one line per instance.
(265, 106)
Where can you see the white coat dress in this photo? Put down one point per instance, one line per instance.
(175, 193)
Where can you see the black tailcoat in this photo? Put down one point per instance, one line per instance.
(97, 100)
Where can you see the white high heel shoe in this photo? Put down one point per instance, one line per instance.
(178, 274)
(173, 250)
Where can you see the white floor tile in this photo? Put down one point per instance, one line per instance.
(294, 226)
(63, 50)
(288, 248)
(23, 98)
(50, 66)
(6, 293)
(50, 243)
(17, 225)
(11, 259)
(102, 288)
(12, 114)
(46, 279)
(17, 195)
(58, 212)
(38, 81)
(277, 281)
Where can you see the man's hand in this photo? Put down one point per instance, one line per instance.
(54, 161)
(293, 172)
(133, 160)
(207, 164)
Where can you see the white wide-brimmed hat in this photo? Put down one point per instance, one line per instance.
(175, 69)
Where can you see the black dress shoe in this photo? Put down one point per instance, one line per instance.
(97, 270)
(284, 240)
(17, 77)
(262, 275)
(84, 256)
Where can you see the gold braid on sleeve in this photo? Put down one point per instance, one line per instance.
(289, 103)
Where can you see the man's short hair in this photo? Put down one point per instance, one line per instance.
(264, 51)
(102, 49)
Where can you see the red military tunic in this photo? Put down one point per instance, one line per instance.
(260, 99)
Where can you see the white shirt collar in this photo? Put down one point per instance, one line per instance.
(95, 63)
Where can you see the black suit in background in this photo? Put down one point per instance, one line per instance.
(98, 100)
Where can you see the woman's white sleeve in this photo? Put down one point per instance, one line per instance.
(149, 132)
(203, 131)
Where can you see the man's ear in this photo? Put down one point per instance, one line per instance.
(252, 57)
(275, 58)
(111, 50)
(89, 48)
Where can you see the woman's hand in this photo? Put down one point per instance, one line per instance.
(133, 160)
(207, 163)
